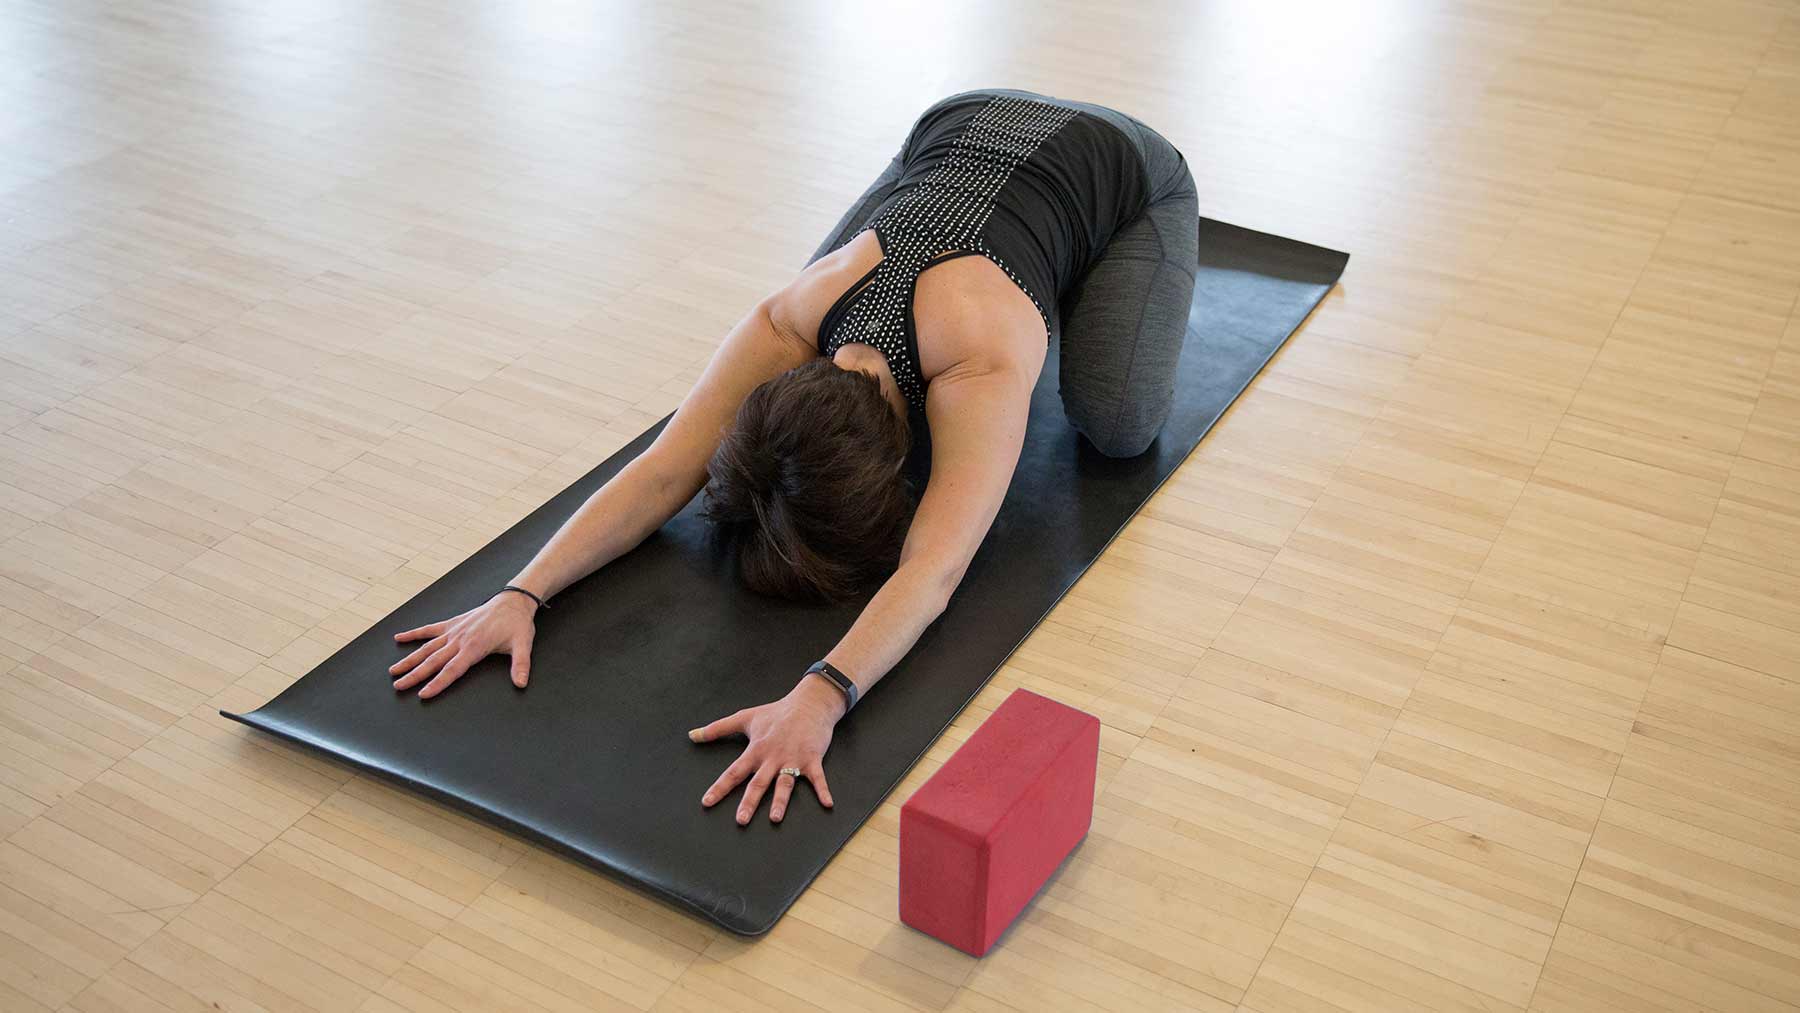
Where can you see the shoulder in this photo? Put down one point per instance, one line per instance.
(971, 317)
(799, 306)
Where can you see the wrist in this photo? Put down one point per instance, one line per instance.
(817, 691)
(515, 596)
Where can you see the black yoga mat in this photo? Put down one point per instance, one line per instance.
(593, 758)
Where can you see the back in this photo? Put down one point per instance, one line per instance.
(1058, 208)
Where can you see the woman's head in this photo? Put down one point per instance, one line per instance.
(807, 483)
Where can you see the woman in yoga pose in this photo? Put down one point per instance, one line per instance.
(1007, 220)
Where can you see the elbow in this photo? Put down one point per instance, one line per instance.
(935, 586)
(665, 486)
(938, 603)
(931, 574)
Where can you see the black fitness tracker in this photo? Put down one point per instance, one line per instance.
(838, 679)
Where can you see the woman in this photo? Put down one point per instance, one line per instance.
(1007, 220)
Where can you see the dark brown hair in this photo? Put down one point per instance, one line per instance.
(807, 484)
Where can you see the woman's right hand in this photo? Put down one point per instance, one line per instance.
(501, 625)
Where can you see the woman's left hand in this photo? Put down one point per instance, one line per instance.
(794, 731)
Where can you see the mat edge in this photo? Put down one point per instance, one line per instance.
(499, 820)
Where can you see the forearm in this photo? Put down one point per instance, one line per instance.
(891, 623)
(612, 521)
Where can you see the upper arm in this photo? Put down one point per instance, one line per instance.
(977, 420)
(753, 352)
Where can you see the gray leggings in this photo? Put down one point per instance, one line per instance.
(1122, 323)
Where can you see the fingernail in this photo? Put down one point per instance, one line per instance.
(694, 735)
(706, 799)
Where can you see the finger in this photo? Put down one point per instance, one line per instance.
(521, 661)
(739, 769)
(415, 657)
(420, 633)
(753, 794)
(731, 724)
(452, 672)
(784, 786)
(425, 669)
(815, 775)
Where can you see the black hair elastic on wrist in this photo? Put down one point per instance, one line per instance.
(838, 679)
(513, 587)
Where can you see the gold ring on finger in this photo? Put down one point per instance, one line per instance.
(791, 771)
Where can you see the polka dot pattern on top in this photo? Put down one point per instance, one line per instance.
(944, 212)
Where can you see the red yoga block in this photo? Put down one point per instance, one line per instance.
(980, 838)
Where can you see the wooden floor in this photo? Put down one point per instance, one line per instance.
(1459, 669)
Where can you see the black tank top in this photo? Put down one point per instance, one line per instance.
(1036, 187)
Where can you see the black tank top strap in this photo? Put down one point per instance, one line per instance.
(829, 322)
(948, 255)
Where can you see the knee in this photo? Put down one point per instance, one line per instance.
(1129, 445)
(1125, 417)
(1122, 419)
(1123, 438)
